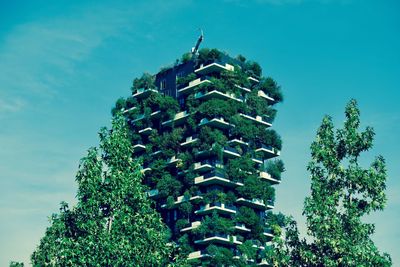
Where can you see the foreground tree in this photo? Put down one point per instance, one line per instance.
(113, 223)
(342, 193)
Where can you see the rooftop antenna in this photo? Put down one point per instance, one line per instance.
(196, 47)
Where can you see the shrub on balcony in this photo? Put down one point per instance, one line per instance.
(145, 82)
(268, 137)
(217, 108)
(275, 168)
(271, 88)
(238, 169)
(214, 224)
(258, 106)
(207, 55)
(252, 69)
(168, 186)
(255, 189)
(247, 251)
(120, 105)
(209, 136)
(185, 80)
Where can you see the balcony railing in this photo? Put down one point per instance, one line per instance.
(268, 151)
(193, 84)
(218, 207)
(215, 178)
(142, 93)
(266, 121)
(214, 66)
(219, 95)
(217, 122)
(178, 119)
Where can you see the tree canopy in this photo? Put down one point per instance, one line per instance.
(113, 223)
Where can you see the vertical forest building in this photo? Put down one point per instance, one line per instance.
(203, 130)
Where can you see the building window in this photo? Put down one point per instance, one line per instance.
(163, 84)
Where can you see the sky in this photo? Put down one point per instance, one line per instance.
(64, 63)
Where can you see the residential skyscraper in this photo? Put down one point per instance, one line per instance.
(203, 128)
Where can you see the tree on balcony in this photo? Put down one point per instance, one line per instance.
(271, 88)
(145, 82)
(275, 168)
(106, 227)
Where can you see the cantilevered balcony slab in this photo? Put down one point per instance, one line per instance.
(154, 114)
(253, 80)
(230, 152)
(219, 239)
(219, 123)
(144, 170)
(203, 166)
(200, 254)
(267, 151)
(178, 119)
(215, 94)
(143, 93)
(189, 141)
(192, 86)
(264, 263)
(219, 208)
(215, 179)
(247, 90)
(270, 205)
(268, 234)
(257, 119)
(253, 203)
(257, 160)
(267, 177)
(146, 131)
(139, 148)
(173, 161)
(213, 67)
(263, 95)
(182, 199)
(237, 142)
(192, 226)
(128, 110)
(154, 193)
(241, 227)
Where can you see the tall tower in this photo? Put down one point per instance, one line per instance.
(203, 130)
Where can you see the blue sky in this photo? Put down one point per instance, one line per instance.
(63, 64)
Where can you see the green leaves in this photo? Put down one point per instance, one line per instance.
(342, 192)
(113, 223)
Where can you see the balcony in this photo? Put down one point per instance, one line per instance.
(220, 239)
(146, 131)
(269, 99)
(192, 226)
(238, 142)
(218, 207)
(198, 255)
(257, 119)
(139, 147)
(241, 227)
(270, 204)
(246, 90)
(253, 80)
(264, 263)
(128, 110)
(268, 177)
(173, 161)
(214, 178)
(253, 203)
(231, 152)
(207, 165)
(145, 169)
(257, 160)
(143, 93)
(219, 123)
(215, 94)
(178, 119)
(214, 67)
(152, 115)
(182, 199)
(193, 84)
(190, 140)
(153, 193)
(268, 151)
(268, 234)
